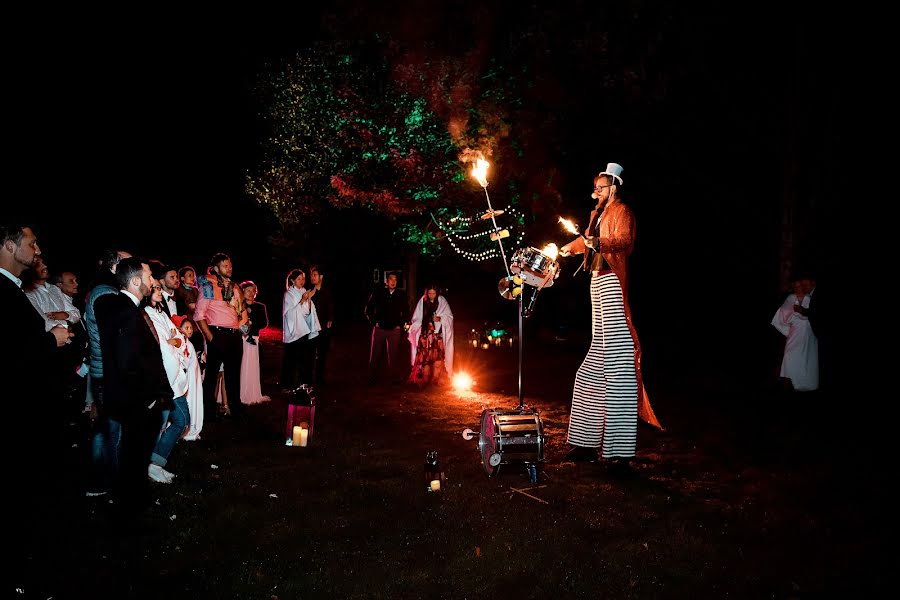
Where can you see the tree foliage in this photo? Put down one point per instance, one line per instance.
(365, 125)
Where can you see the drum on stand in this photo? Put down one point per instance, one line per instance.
(511, 436)
(534, 267)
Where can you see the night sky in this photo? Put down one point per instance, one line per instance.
(730, 114)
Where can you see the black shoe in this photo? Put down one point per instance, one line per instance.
(581, 454)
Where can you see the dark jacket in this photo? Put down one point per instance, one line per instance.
(31, 348)
(386, 310)
(259, 318)
(324, 301)
(133, 373)
(104, 287)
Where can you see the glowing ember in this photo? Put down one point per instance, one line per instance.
(569, 225)
(479, 171)
(462, 382)
(550, 251)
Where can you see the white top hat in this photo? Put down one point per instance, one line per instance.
(614, 170)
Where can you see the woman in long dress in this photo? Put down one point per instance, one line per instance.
(257, 320)
(800, 364)
(431, 339)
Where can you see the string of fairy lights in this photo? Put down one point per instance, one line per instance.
(458, 231)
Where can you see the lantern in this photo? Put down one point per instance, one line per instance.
(301, 412)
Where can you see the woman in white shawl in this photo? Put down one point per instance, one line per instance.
(431, 339)
(300, 324)
(176, 417)
(800, 364)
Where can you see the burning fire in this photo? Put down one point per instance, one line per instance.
(462, 382)
(479, 171)
(550, 251)
(569, 225)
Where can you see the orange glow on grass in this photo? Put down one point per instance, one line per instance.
(462, 382)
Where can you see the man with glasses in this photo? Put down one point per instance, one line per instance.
(608, 394)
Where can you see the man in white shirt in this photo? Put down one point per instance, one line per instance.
(67, 282)
(53, 305)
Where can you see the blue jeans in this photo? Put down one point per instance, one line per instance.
(181, 418)
(104, 441)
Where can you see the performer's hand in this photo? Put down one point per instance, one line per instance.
(593, 243)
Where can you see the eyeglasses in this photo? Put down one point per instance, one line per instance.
(597, 188)
(155, 287)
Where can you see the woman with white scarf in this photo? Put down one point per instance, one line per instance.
(300, 325)
(800, 363)
(431, 339)
(176, 417)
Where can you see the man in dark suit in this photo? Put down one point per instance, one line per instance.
(324, 301)
(36, 488)
(25, 327)
(168, 280)
(134, 378)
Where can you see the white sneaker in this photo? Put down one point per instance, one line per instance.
(288, 442)
(157, 474)
(168, 474)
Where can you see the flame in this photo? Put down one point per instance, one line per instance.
(569, 225)
(550, 251)
(463, 382)
(479, 171)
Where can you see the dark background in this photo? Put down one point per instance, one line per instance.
(139, 135)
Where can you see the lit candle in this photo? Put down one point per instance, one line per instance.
(435, 485)
(296, 437)
(304, 436)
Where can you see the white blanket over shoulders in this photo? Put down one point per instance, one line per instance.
(801, 349)
(444, 327)
(298, 319)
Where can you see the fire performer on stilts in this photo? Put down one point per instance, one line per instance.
(608, 395)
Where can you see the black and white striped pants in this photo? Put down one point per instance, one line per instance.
(604, 401)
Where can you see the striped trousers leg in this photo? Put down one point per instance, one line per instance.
(604, 401)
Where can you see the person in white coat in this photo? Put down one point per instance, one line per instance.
(800, 364)
(300, 325)
(431, 339)
(176, 417)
